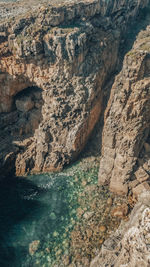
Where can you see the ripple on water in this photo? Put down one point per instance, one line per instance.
(48, 220)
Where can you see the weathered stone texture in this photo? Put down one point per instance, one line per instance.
(129, 245)
(127, 120)
(67, 51)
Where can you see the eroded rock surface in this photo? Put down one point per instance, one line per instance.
(125, 145)
(67, 52)
(130, 244)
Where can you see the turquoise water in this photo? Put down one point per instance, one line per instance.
(39, 208)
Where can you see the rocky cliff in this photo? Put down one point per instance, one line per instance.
(126, 135)
(55, 62)
(129, 245)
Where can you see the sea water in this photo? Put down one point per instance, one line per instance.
(37, 213)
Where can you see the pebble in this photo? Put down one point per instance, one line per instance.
(107, 210)
(55, 234)
(33, 246)
(47, 250)
(53, 216)
(85, 261)
(48, 259)
(89, 233)
(66, 260)
(109, 201)
(120, 211)
(80, 212)
(84, 183)
(148, 241)
(101, 241)
(88, 215)
(102, 228)
(59, 252)
(76, 179)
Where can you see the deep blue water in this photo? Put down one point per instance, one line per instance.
(38, 207)
(30, 209)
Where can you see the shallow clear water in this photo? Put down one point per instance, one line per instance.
(40, 208)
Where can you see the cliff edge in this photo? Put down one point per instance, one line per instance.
(55, 61)
(125, 157)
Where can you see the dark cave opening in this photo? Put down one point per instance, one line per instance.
(28, 104)
(18, 126)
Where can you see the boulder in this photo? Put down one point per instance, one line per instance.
(24, 104)
(141, 175)
(120, 211)
(140, 189)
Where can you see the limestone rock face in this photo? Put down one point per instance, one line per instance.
(54, 64)
(125, 144)
(129, 245)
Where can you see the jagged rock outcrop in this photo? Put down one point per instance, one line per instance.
(54, 64)
(126, 133)
(130, 244)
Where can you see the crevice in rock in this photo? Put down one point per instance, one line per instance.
(127, 112)
(18, 126)
(65, 51)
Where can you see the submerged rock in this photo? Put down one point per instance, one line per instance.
(33, 247)
(53, 216)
